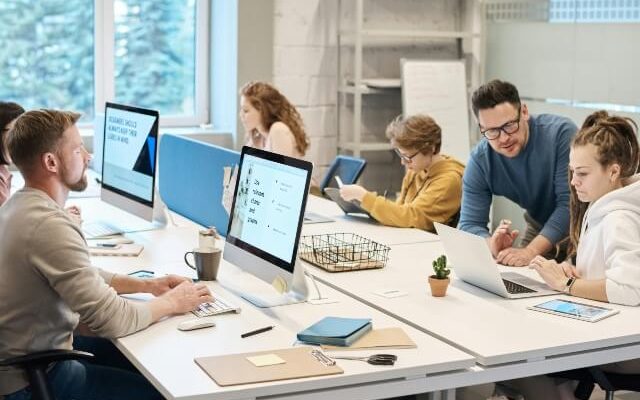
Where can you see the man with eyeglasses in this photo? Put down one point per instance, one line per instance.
(524, 158)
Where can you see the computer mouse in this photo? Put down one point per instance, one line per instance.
(196, 323)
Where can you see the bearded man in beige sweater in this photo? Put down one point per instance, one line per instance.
(47, 282)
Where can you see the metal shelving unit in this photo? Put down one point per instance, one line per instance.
(359, 37)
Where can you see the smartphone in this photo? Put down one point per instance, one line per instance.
(143, 274)
(105, 245)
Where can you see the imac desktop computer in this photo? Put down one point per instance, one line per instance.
(265, 224)
(130, 144)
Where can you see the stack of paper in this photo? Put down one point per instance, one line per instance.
(335, 331)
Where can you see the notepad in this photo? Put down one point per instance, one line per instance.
(265, 360)
(386, 338)
(125, 250)
(335, 331)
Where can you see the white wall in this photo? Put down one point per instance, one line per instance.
(305, 69)
(581, 62)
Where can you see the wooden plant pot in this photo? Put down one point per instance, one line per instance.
(438, 286)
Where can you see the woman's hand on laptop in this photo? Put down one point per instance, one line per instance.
(554, 274)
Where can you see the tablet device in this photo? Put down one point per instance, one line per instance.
(349, 207)
(572, 309)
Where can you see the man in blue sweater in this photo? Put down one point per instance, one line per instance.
(523, 158)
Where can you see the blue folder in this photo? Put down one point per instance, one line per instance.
(335, 331)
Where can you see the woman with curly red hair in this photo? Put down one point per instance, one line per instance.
(271, 122)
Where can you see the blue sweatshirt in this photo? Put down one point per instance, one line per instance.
(536, 179)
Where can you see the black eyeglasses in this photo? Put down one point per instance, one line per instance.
(407, 159)
(509, 128)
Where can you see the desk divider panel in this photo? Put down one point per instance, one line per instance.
(190, 179)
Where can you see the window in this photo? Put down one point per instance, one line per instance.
(589, 11)
(77, 54)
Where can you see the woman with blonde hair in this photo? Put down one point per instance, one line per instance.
(432, 185)
(271, 122)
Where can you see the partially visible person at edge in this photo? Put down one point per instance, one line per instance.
(432, 185)
(523, 158)
(9, 111)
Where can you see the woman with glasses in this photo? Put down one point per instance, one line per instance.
(432, 185)
(8, 113)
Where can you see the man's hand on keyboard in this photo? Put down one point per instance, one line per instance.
(187, 296)
(160, 286)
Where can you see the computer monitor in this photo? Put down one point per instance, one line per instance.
(130, 143)
(265, 223)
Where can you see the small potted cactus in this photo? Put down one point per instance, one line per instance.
(440, 280)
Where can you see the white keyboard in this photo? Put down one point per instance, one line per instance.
(218, 306)
(99, 229)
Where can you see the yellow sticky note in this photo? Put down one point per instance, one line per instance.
(279, 284)
(265, 360)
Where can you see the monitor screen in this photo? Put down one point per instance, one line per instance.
(129, 155)
(268, 207)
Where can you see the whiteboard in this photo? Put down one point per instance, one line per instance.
(439, 90)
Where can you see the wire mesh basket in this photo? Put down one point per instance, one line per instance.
(339, 252)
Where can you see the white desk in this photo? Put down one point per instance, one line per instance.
(502, 334)
(361, 225)
(165, 355)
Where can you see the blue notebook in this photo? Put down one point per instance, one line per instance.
(335, 331)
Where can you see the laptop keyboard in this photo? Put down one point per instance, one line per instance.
(218, 306)
(514, 288)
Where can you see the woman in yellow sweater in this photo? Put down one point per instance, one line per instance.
(432, 185)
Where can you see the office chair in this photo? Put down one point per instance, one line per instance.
(347, 168)
(608, 381)
(36, 366)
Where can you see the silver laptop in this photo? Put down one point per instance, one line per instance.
(473, 263)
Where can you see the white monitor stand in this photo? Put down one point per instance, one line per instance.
(298, 292)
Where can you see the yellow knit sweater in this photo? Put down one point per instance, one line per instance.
(426, 197)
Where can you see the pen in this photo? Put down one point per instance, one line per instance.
(340, 184)
(251, 333)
